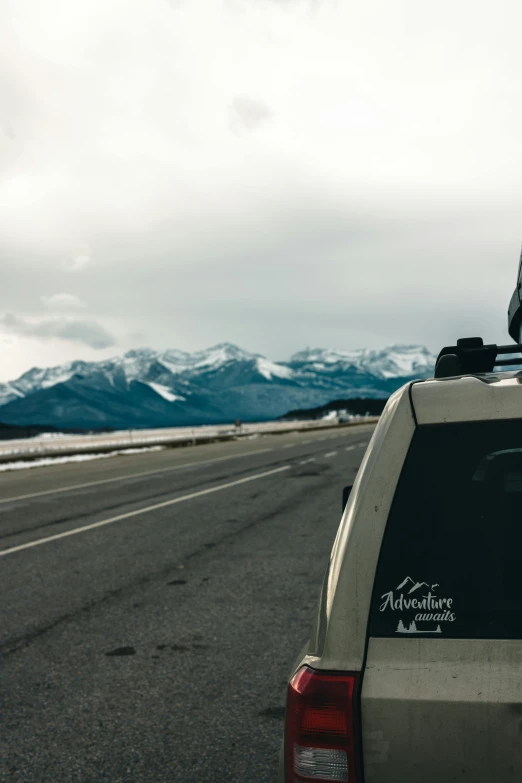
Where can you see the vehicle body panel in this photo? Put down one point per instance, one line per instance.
(339, 636)
(433, 709)
(468, 398)
(442, 710)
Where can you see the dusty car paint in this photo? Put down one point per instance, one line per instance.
(473, 688)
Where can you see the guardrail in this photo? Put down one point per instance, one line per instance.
(52, 445)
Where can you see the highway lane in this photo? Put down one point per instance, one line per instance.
(155, 647)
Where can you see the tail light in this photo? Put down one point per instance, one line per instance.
(322, 727)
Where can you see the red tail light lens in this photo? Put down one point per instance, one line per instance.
(322, 736)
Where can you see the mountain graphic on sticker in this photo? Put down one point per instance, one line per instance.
(414, 585)
(412, 628)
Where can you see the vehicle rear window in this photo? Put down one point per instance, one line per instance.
(451, 558)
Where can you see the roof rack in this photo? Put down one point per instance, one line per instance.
(470, 356)
(515, 308)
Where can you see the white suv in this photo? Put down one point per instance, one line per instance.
(413, 673)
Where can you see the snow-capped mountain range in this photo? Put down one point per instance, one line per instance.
(146, 388)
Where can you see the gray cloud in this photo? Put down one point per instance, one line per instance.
(247, 114)
(370, 192)
(87, 332)
(63, 301)
(77, 262)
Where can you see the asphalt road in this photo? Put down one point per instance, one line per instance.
(152, 606)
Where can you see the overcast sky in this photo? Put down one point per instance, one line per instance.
(273, 173)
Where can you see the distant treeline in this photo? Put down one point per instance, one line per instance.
(358, 406)
(14, 431)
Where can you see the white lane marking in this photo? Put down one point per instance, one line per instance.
(331, 454)
(138, 511)
(129, 476)
(306, 461)
(306, 442)
(289, 445)
(362, 445)
(350, 448)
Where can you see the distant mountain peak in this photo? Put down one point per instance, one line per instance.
(227, 351)
(138, 353)
(393, 361)
(147, 387)
(227, 347)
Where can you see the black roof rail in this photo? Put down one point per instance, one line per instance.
(515, 308)
(470, 356)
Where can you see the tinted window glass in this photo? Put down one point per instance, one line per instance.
(451, 559)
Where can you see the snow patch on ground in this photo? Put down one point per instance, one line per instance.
(330, 416)
(165, 392)
(46, 383)
(175, 367)
(271, 370)
(53, 436)
(46, 461)
(13, 390)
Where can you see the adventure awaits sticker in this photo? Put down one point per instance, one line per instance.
(418, 606)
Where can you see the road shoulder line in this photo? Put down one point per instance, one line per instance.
(57, 491)
(129, 514)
